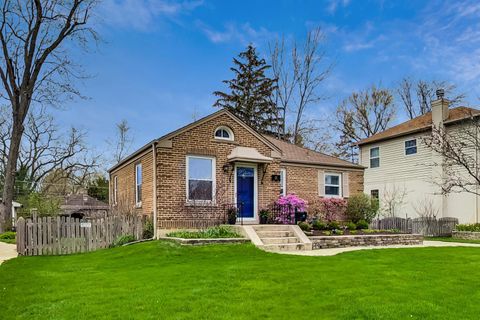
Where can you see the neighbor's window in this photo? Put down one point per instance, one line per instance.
(283, 182)
(375, 157)
(411, 147)
(115, 189)
(200, 178)
(374, 194)
(138, 184)
(223, 133)
(332, 184)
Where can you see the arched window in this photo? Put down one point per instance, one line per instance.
(223, 133)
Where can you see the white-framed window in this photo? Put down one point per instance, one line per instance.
(333, 184)
(138, 184)
(200, 178)
(374, 157)
(283, 182)
(115, 189)
(411, 147)
(224, 133)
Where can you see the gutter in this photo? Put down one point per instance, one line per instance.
(154, 195)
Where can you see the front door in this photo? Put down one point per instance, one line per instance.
(246, 191)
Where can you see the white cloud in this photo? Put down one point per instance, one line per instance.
(333, 5)
(233, 32)
(141, 14)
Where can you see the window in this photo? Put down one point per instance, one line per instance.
(411, 147)
(200, 178)
(374, 194)
(332, 185)
(223, 133)
(138, 184)
(283, 182)
(374, 157)
(115, 189)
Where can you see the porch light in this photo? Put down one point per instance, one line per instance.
(227, 168)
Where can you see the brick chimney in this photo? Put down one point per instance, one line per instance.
(440, 109)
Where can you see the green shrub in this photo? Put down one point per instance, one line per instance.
(210, 233)
(319, 225)
(351, 226)
(328, 233)
(304, 226)
(362, 225)
(475, 227)
(333, 225)
(353, 232)
(120, 241)
(361, 207)
(9, 235)
(338, 232)
(148, 229)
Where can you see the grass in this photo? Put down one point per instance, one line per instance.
(450, 239)
(209, 233)
(163, 280)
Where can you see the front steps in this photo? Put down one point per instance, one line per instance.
(278, 237)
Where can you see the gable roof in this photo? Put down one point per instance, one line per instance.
(294, 154)
(193, 125)
(83, 201)
(418, 124)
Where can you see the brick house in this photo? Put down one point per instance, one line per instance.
(195, 171)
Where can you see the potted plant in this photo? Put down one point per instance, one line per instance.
(264, 215)
(232, 215)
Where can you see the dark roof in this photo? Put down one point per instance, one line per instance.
(82, 201)
(295, 154)
(421, 123)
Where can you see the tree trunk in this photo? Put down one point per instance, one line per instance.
(8, 188)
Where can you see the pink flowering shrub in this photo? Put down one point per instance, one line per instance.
(332, 209)
(290, 204)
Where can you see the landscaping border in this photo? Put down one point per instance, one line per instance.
(328, 242)
(466, 235)
(197, 242)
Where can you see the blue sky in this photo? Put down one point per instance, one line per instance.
(160, 60)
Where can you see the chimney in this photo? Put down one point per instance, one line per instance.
(440, 109)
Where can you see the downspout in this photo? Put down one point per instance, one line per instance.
(154, 150)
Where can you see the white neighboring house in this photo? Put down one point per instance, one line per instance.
(15, 206)
(398, 164)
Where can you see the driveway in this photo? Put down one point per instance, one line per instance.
(7, 251)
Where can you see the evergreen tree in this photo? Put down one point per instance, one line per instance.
(250, 93)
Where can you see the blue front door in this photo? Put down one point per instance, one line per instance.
(246, 191)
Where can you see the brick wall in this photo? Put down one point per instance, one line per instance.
(126, 186)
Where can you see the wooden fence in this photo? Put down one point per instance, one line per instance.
(65, 235)
(425, 226)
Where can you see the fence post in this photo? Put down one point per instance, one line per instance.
(21, 236)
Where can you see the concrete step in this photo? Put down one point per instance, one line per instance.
(272, 227)
(275, 234)
(285, 247)
(280, 240)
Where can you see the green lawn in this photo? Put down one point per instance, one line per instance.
(162, 280)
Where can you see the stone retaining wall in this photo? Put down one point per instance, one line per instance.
(326, 242)
(466, 235)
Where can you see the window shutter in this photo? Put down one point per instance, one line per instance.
(345, 185)
(321, 183)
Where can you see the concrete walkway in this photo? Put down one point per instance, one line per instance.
(7, 251)
(332, 252)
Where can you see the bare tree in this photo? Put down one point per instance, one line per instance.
(362, 115)
(458, 147)
(426, 209)
(123, 141)
(392, 200)
(299, 74)
(417, 96)
(35, 66)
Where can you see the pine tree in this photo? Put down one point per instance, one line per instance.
(251, 92)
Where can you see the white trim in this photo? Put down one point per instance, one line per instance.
(283, 173)
(138, 203)
(339, 175)
(187, 174)
(405, 147)
(255, 188)
(370, 157)
(231, 136)
(115, 189)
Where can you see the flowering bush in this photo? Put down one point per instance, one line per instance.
(332, 208)
(290, 204)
